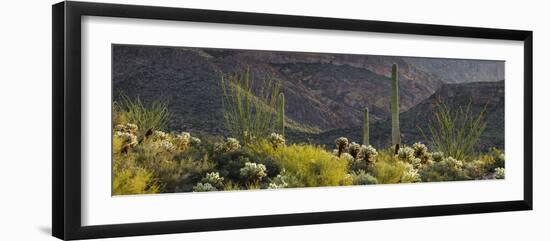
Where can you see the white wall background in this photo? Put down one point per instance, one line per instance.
(25, 121)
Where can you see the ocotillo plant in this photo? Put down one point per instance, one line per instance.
(282, 113)
(366, 128)
(395, 132)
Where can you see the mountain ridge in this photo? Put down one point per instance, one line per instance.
(325, 91)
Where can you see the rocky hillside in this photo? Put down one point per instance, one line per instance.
(479, 95)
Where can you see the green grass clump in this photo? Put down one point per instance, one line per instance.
(153, 117)
(249, 110)
(456, 132)
(128, 178)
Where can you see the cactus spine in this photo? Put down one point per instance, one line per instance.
(366, 128)
(395, 132)
(281, 116)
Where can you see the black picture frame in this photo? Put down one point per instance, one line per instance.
(66, 128)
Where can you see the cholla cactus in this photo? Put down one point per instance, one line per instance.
(230, 145)
(354, 149)
(206, 187)
(128, 138)
(128, 127)
(253, 172)
(276, 140)
(278, 182)
(411, 175)
(195, 141)
(437, 156)
(453, 163)
(420, 150)
(367, 153)
(341, 144)
(405, 154)
(160, 135)
(164, 145)
(347, 157)
(127, 133)
(182, 140)
(499, 173)
(416, 162)
(214, 179)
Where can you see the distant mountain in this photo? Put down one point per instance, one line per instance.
(478, 95)
(461, 70)
(325, 92)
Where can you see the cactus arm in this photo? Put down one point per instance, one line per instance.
(366, 128)
(396, 133)
(282, 113)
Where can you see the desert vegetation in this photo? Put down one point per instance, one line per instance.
(256, 155)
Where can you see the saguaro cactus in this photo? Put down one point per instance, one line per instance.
(366, 128)
(281, 115)
(395, 132)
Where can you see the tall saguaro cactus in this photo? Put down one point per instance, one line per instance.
(281, 115)
(395, 132)
(366, 128)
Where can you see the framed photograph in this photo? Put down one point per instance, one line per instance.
(169, 120)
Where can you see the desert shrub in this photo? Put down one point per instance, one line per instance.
(231, 186)
(134, 181)
(284, 180)
(153, 117)
(363, 178)
(188, 172)
(229, 164)
(456, 133)
(311, 165)
(168, 159)
(357, 164)
(388, 172)
(249, 110)
(449, 169)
